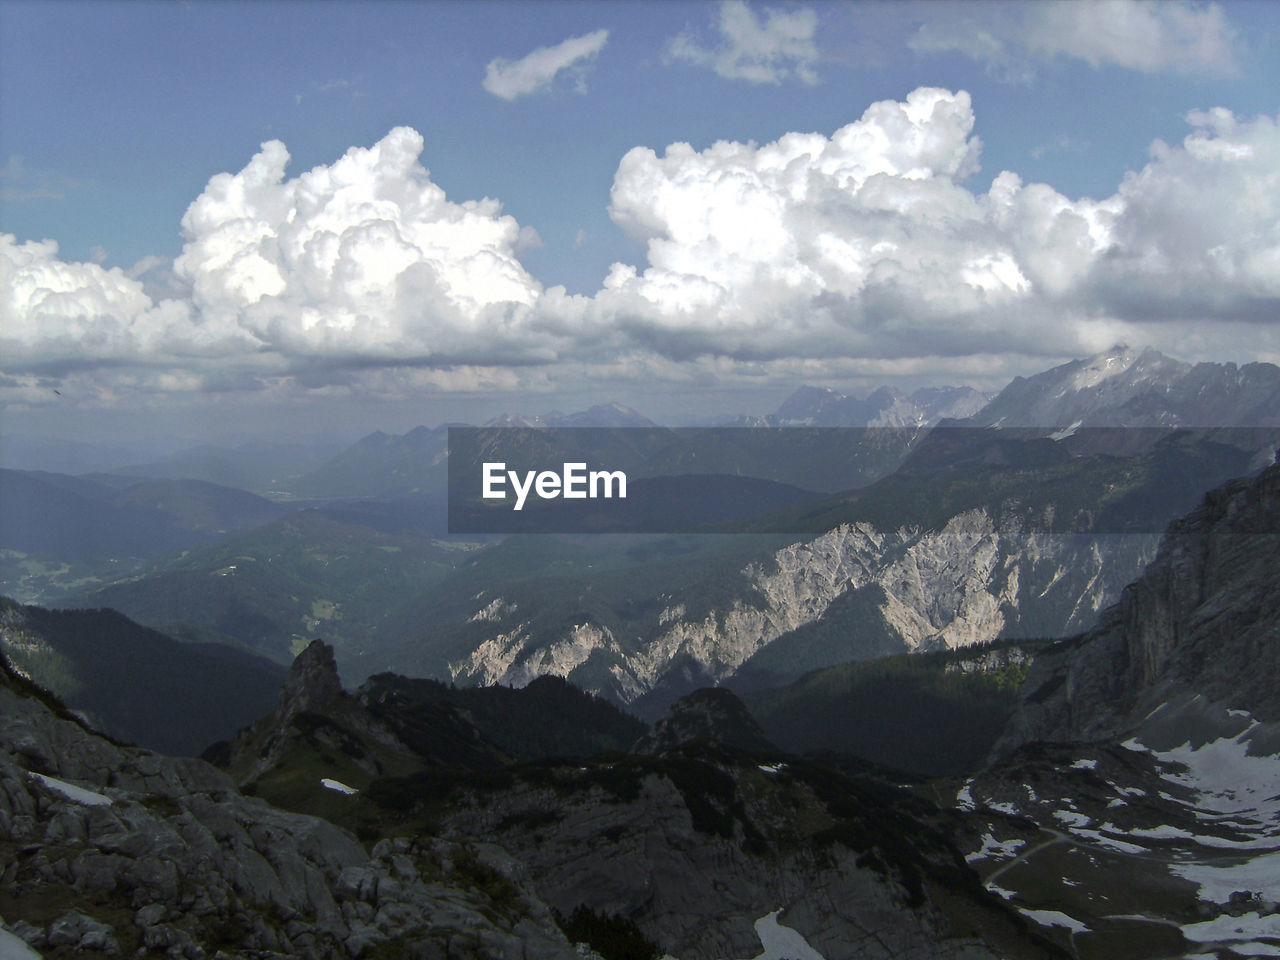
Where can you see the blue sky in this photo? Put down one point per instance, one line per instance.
(116, 117)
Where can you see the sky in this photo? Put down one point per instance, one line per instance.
(289, 218)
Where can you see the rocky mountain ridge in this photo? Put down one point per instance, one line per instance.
(1124, 387)
(968, 582)
(883, 407)
(946, 552)
(398, 726)
(1135, 797)
(1201, 621)
(112, 850)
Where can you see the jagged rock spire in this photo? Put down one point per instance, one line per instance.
(313, 682)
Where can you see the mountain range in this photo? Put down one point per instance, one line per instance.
(980, 531)
(882, 407)
(1126, 807)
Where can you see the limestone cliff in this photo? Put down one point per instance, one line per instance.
(1203, 620)
(968, 581)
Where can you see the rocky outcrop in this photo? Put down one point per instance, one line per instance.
(697, 845)
(313, 715)
(1203, 621)
(347, 738)
(119, 851)
(714, 715)
(312, 684)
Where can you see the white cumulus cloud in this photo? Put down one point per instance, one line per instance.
(364, 260)
(812, 245)
(55, 314)
(876, 247)
(1199, 235)
(535, 71)
(870, 243)
(1143, 35)
(768, 51)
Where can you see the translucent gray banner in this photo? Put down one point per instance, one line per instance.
(802, 480)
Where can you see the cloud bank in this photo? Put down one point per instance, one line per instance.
(1144, 35)
(874, 248)
(536, 71)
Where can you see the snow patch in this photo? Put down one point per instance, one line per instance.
(338, 785)
(1162, 832)
(1227, 778)
(73, 793)
(1107, 842)
(1054, 918)
(13, 947)
(1218, 883)
(1226, 928)
(991, 847)
(782, 943)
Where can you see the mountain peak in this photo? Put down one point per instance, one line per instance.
(1102, 366)
(313, 682)
(1125, 387)
(712, 713)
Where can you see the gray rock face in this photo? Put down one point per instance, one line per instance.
(313, 682)
(969, 581)
(1204, 619)
(165, 856)
(695, 851)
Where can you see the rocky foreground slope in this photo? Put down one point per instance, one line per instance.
(111, 850)
(707, 848)
(693, 849)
